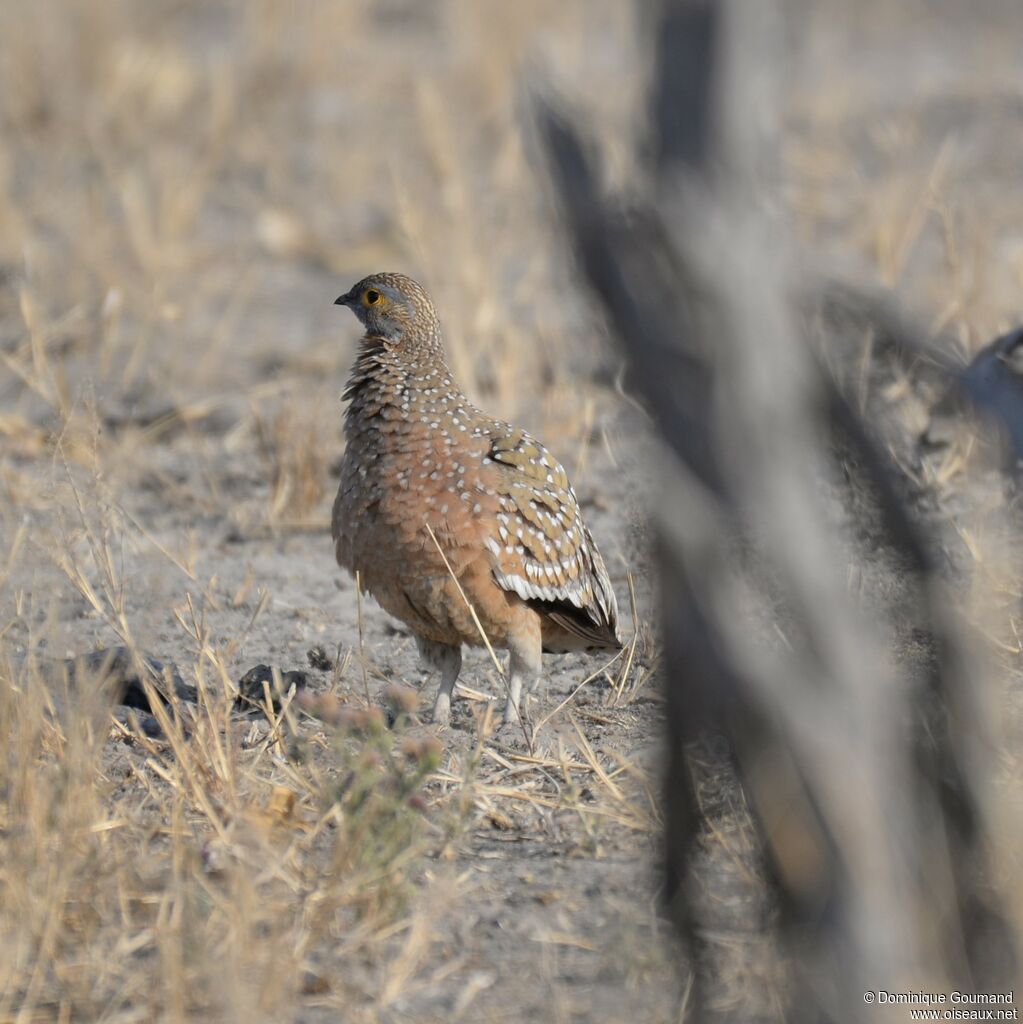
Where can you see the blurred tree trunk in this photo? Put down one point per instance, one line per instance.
(855, 772)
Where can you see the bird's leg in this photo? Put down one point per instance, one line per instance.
(524, 664)
(447, 660)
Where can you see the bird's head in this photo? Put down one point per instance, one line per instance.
(394, 308)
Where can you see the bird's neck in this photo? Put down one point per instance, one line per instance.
(396, 384)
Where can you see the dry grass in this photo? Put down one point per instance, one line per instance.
(213, 873)
(184, 189)
(240, 866)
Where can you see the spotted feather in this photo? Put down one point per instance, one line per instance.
(543, 550)
(461, 526)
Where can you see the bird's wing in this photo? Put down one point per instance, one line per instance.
(541, 547)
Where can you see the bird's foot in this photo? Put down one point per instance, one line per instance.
(515, 729)
(442, 710)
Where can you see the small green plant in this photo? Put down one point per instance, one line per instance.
(376, 794)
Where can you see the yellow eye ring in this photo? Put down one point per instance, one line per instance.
(371, 297)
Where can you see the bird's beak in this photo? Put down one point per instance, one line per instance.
(343, 300)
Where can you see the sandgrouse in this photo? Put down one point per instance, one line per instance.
(421, 458)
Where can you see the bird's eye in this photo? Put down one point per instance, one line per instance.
(370, 297)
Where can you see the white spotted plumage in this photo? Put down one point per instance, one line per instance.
(540, 512)
(458, 524)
